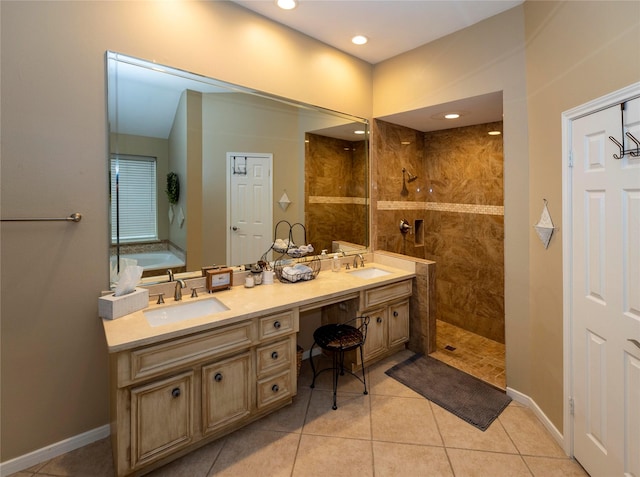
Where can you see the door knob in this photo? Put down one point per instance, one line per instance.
(234, 228)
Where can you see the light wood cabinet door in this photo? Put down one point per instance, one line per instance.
(161, 418)
(226, 392)
(376, 340)
(398, 323)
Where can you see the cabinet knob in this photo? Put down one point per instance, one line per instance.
(379, 319)
(218, 377)
(395, 314)
(175, 392)
(275, 388)
(274, 355)
(276, 325)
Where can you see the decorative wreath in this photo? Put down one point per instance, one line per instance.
(173, 188)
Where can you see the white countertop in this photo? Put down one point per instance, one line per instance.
(133, 330)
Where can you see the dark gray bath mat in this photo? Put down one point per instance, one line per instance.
(468, 397)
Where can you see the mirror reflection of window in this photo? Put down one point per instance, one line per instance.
(133, 190)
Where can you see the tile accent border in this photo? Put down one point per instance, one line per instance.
(441, 207)
(320, 199)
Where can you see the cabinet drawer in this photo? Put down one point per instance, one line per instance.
(276, 325)
(274, 388)
(274, 357)
(384, 294)
(164, 357)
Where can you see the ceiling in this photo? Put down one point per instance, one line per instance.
(392, 26)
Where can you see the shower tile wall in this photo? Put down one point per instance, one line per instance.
(459, 197)
(335, 198)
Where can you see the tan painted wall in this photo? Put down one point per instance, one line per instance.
(54, 162)
(576, 52)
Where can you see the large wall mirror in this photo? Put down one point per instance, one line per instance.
(209, 173)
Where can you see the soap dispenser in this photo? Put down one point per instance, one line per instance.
(335, 263)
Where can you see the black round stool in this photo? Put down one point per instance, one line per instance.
(338, 339)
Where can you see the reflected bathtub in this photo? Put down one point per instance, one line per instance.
(150, 261)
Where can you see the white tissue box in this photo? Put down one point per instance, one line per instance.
(112, 307)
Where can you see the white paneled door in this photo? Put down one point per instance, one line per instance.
(250, 211)
(605, 292)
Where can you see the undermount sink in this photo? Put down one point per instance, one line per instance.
(184, 311)
(371, 272)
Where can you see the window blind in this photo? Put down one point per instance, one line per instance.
(133, 183)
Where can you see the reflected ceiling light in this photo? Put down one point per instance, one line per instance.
(359, 40)
(405, 143)
(359, 131)
(287, 4)
(452, 116)
(494, 133)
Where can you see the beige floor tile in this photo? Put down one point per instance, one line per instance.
(553, 467)
(409, 460)
(320, 456)
(460, 434)
(289, 418)
(528, 433)
(403, 420)
(346, 383)
(195, 464)
(381, 384)
(350, 420)
(254, 453)
(93, 459)
(468, 463)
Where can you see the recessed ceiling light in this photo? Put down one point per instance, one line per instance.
(494, 133)
(359, 131)
(287, 4)
(359, 40)
(452, 116)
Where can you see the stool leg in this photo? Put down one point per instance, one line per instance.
(335, 380)
(364, 377)
(313, 368)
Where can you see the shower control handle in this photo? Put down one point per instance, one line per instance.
(405, 227)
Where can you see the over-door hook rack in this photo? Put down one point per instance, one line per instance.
(633, 152)
(75, 217)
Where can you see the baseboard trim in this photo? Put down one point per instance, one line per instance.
(316, 352)
(531, 404)
(54, 450)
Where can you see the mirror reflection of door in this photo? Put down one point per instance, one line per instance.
(249, 213)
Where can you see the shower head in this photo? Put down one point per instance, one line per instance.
(411, 177)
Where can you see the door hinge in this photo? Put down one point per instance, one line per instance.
(571, 406)
(570, 158)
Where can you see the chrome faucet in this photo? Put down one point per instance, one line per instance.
(341, 252)
(355, 260)
(180, 284)
(170, 272)
(360, 256)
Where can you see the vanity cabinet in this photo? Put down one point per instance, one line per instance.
(388, 310)
(171, 397)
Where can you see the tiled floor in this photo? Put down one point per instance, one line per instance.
(392, 431)
(473, 354)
